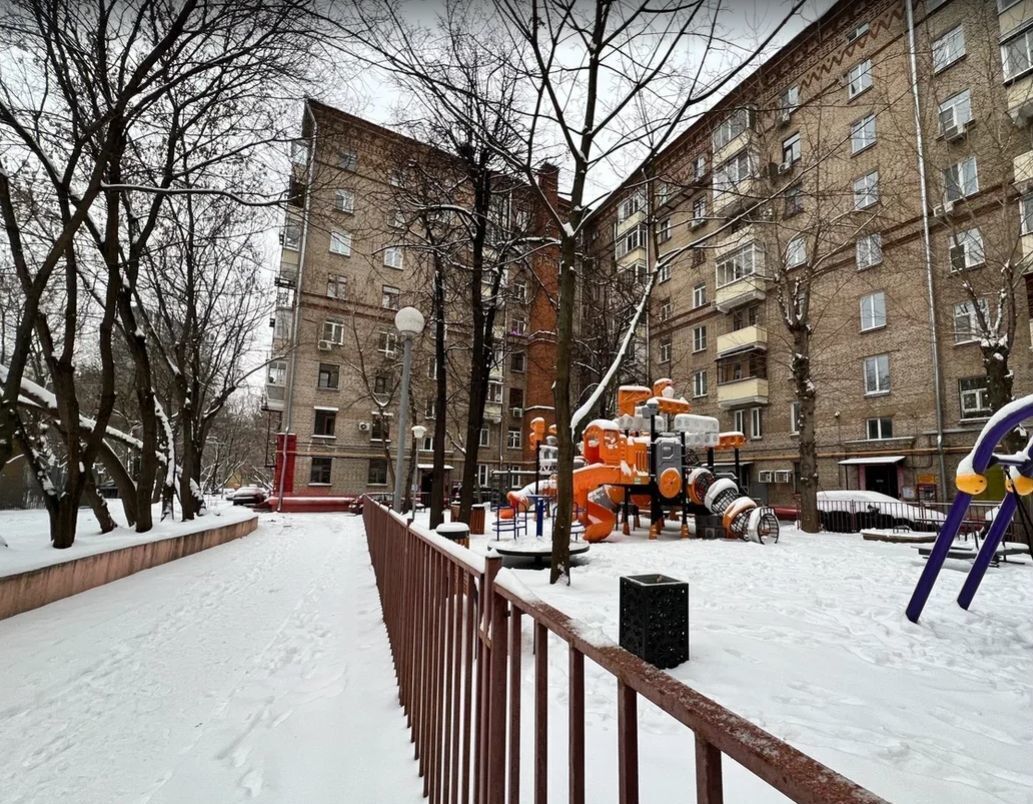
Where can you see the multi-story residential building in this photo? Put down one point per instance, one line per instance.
(883, 160)
(352, 254)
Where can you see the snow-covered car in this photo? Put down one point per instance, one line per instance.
(249, 495)
(848, 511)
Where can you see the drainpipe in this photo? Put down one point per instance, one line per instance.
(927, 243)
(296, 320)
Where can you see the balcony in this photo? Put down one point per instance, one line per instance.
(733, 146)
(1020, 99)
(742, 340)
(637, 254)
(742, 291)
(737, 198)
(751, 391)
(274, 397)
(631, 222)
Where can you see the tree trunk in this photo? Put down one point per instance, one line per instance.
(64, 515)
(126, 487)
(188, 505)
(561, 395)
(98, 505)
(999, 386)
(437, 486)
(810, 517)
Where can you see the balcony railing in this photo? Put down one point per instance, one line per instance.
(752, 337)
(749, 391)
(749, 288)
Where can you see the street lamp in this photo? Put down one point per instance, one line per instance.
(418, 432)
(409, 322)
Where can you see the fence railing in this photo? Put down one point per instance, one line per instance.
(455, 626)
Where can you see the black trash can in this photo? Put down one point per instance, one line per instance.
(458, 532)
(654, 619)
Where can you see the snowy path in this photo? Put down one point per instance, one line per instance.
(255, 670)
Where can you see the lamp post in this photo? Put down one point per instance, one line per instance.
(409, 322)
(418, 432)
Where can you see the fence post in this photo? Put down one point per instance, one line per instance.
(709, 789)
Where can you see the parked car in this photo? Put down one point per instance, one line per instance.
(249, 495)
(849, 511)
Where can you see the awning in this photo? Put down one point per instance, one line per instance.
(877, 459)
(430, 466)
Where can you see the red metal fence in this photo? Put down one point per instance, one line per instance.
(455, 627)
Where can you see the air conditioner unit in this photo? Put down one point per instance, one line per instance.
(944, 209)
(764, 476)
(784, 167)
(325, 346)
(364, 427)
(955, 132)
(783, 117)
(516, 413)
(783, 476)
(696, 223)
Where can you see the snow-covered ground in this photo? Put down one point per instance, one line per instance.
(257, 670)
(28, 539)
(808, 639)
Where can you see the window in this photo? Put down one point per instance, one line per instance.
(319, 474)
(956, 111)
(518, 361)
(794, 418)
(484, 437)
(975, 398)
(344, 200)
(699, 167)
(699, 295)
(662, 193)
(663, 273)
(966, 249)
(789, 100)
(516, 397)
(665, 310)
(699, 209)
(862, 134)
(387, 343)
(699, 338)
(960, 180)
(299, 152)
(664, 230)
(348, 160)
(513, 438)
(398, 220)
(699, 383)
(756, 423)
(731, 127)
(333, 331)
(483, 474)
(728, 176)
(282, 325)
(793, 200)
(1004, 5)
(868, 251)
(520, 291)
(665, 349)
(377, 475)
(328, 377)
(966, 320)
(873, 311)
(337, 286)
(341, 243)
(380, 384)
(737, 265)
(518, 326)
(745, 317)
(634, 239)
(629, 207)
(698, 257)
(276, 373)
(876, 375)
(1017, 54)
(1026, 214)
(292, 234)
(791, 149)
(389, 297)
(866, 190)
(381, 430)
(427, 444)
(948, 48)
(739, 421)
(880, 428)
(495, 392)
(796, 252)
(393, 257)
(326, 418)
(859, 78)
(429, 409)
(857, 32)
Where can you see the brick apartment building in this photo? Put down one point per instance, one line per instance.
(815, 157)
(350, 258)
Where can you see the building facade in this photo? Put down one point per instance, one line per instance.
(876, 176)
(358, 244)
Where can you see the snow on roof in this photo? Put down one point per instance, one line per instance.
(874, 459)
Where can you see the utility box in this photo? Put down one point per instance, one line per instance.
(654, 619)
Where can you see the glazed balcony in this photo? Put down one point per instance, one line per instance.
(742, 291)
(742, 340)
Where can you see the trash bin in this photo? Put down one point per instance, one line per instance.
(453, 511)
(654, 618)
(478, 515)
(457, 532)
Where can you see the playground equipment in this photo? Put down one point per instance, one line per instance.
(971, 480)
(647, 456)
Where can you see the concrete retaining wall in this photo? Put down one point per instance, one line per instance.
(29, 590)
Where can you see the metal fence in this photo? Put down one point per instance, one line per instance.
(455, 625)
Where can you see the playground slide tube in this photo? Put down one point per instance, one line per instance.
(598, 520)
(986, 552)
(1006, 419)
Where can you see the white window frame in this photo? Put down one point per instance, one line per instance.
(389, 293)
(959, 106)
(756, 424)
(734, 124)
(737, 264)
(336, 286)
(393, 257)
(868, 251)
(961, 177)
(664, 313)
(1025, 40)
(344, 200)
(387, 343)
(276, 373)
(876, 362)
(282, 322)
(739, 420)
(866, 190)
(859, 78)
(862, 134)
(796, 252)
(979, 395)
(699, 339)
(948, 48)
(873, 311)
(699, 295)
(348, 160)
(970, 332)
(333, 331)
(665, 350)
(1026, 214)
(794, 417)
(663, 273)
(341, 243)
(484, 437)
(292, 226)
(514, 438)
(495, 392)
(882, 423)
(970, 241)
(732, 172)
(792, 149)
(699, 384)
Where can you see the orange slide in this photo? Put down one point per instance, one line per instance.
(600, 511)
